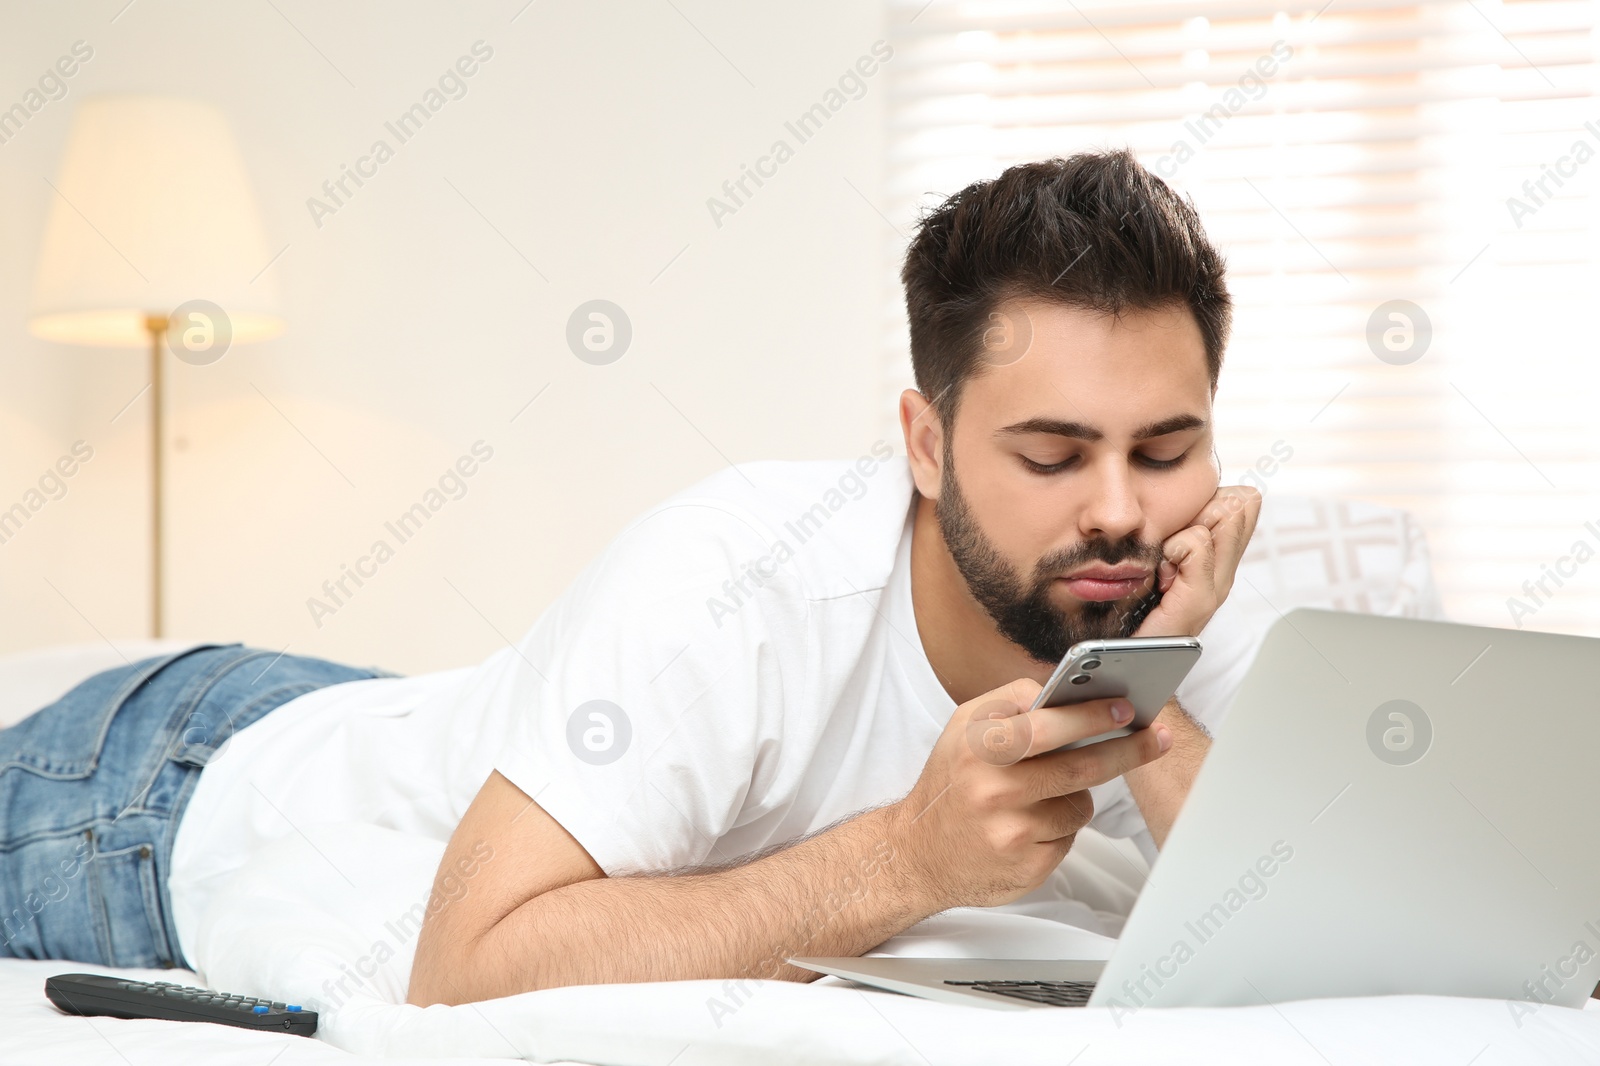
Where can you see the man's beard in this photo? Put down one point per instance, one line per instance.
(1023, 613)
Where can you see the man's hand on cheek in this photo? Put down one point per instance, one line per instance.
(1198, 563)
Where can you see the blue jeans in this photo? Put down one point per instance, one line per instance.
(92, 787)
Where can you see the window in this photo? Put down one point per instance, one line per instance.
(1343, 156)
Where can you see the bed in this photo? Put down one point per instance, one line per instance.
(296, 930)
(668, 1024)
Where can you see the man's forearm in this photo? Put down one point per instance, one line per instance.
(1160, 787)
(840, 892)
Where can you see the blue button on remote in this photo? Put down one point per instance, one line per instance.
(259, 1008)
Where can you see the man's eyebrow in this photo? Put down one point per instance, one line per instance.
(1175, 424)
(1082, 431)
(1055, 426)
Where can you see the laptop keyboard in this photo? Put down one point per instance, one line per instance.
(1050, 993)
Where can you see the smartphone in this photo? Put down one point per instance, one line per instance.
(1145, 670)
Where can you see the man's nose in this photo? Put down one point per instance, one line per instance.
(1114, 509)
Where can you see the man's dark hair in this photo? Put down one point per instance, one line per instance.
(1096, 231)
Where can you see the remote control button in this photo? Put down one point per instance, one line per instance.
(294, 1008)
(259, 1009)
(279, 1006)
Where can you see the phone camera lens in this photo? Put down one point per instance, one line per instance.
(1080, 679)
(1089, 664)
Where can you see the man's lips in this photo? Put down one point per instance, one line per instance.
(1104, 582)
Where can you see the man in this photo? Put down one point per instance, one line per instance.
(785, 711)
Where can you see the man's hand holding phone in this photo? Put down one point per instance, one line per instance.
(987, 822)
(997, 807)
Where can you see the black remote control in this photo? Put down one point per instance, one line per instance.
(118, 997)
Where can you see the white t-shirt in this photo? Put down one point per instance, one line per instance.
(753, 642)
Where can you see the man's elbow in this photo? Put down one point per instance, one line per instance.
(456, 968)
(430, 983)
(443, 971)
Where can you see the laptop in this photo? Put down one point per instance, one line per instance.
(1391, 806)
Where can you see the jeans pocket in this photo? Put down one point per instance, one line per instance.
(127, 901)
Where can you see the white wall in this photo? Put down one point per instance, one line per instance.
(591, 141)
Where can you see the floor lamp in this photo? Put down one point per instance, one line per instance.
(154, 241)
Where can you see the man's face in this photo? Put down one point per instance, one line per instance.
(1081, 445)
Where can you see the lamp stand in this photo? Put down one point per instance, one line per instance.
(157, 327)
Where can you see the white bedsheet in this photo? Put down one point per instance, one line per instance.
(316, 907)
(1393, 1030)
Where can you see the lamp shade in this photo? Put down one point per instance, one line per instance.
(152, 208)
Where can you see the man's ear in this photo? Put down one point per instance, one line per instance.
(924, 434)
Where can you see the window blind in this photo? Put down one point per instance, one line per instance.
(1344, 156)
